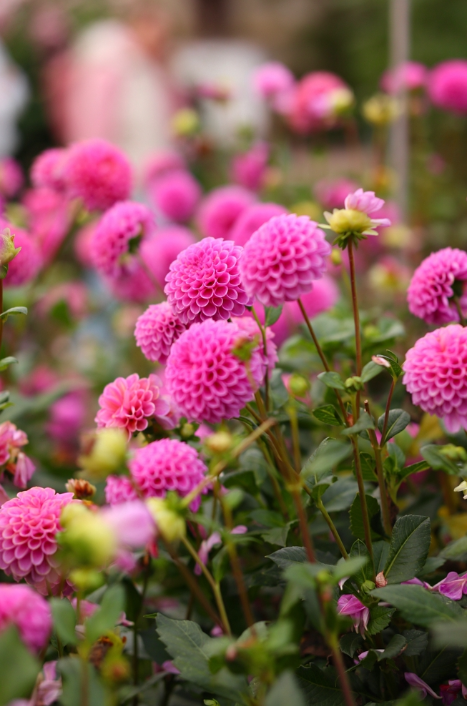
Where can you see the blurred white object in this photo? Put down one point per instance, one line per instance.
(230, 64)
(14, 92)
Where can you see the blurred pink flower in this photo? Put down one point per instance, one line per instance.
(82, 244)
(22, 607)
(272, 79)
(221, 208)
(159, 251)
(252, 219)
(205, 548)
(11, 177)
(66, 418)
(161, 163)
(48, 169)
(12, 458)
(249, 168)
(411, 75)
(131, 522)
(27, 263)
(447, 86)
(73, 294)
(49, 219)
(331, 193)
(355, 609)
(312, 87)
(175, 195)
(119, 489)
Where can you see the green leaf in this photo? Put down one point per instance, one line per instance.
(380, 555)
(359, 548)
(397, 421)
(14, 311)
(327, 456)
(328, 415)
(356, 518)
(191, 650)
(285, 690)
(19, 669)
(417, 642)
(5, 362)
(320, 686)
(413, 468)
(332, 380)
(392, 650)
(283, 558)
(368, 465)
(272, 315)
(349, 567)
(437, 460)
(409, 547)
(380, 617)
(107, 615)
(449, 634)
(350, 643)
(456, 550)
(71, 670)
(279, 394)
(364, 422)
(64, 620)
(340, 495)
(419, 606)
(370, 371)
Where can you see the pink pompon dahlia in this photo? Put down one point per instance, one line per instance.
(411, 75)
(119, 489)
(248, 327)
(221, 208)
(310, 91)
(27, 263)
(28, 527)
(447, 86)
(48, 169)
(117, 237)
(98, 173)
(22, 607)
(156, 331)
(204, 282)
(11, 177)
(331, 193)
(354, 608)
(271, 79)
(176, 195)
(283, 257)
(166, 465)
(431, 292)
(436, 375)
(12, 458)
(249, 168)
(128, 403)
(160, 251)
(252, 219)
(208, 382)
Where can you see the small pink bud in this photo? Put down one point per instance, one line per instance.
(380, 580)
(380, 361)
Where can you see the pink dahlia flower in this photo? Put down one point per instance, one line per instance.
(447, 86)
(271, 79)
(28, 527)
(312, 88)
(134, 285)
(98, 173)
(49, 219)
(204, 282)
(409, 76)
(431, 291)
(360, 614)
(166, 465)
(12, 458)
(332, 193)
(27, 263)
(249, 168)
(281, 260)
(132, 523)
(128, 403)
(119, 489)
(436, 375)
(252, 219)
(160, 251)
(66, 417)
(11, 177)
(117, 237)
(176, 195)
(208, 382)
(221, 208)
(48, 169)
(82, 244)
(22, 607)
(248, 327)
(162, 163)
(156, 331)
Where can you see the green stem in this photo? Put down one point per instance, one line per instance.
(332, 527)
(344, 682)
(361, 493)
(383, 492)
(303, 522)
(356, 318)
(387, 410)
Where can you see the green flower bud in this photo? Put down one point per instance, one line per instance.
(185, 123)
(353, 384)
(220, 442)
(170, 524)
(348, 220)
(298, 385)
(89, 540)
(106, 453)
(7, 247)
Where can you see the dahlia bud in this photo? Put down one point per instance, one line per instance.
(86, 579)
(72, 512)
(349, 220)
(169, 524)
(187, 430)
(185, 123)
(219, 443)
(336, 257)
(81, 489)
(381, 581)
(89, 540)
(298, 385)
(106, 452)
(381, 109)
(353, 384)
(7, 247)
(367, 586)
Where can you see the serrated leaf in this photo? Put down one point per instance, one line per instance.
(326, 457)
(410, 543)
(64, 620)
(340, 495)
(19, 669)
(419, 606)
(368, 465)
(320, 686)
(370, 371)
(328, 415)
(397, 421)
(417, 642)
(272, 314)
(364, 422)
(332, 380)
(359, 548)
(285, 689)
(380, 617)
(356, 518)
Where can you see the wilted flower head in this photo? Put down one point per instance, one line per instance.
(252, 219)
(28, 527)
(447, 86)
(161, 250)
(434, 284)
(204, 282)
(98, 173)
(355, 609)
(175, 195)
(11, 457)
(411, 75)
(206, 379)
(283, 257)
(221, 208)
(156, 331)
(22, 607)
(436, 375)
(128, 403)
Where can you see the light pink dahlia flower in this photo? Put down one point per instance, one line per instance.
(410, 75)
(431, 291)
(98, 173)
(28, 527)
(436, 375)
(167, 464)
(176, 195)
(208, 382)
(252, 219)
(283, 257)
(221, 208)
(447, 86)
(22, 607)
(204, 282)
(128, 403)
(156, 330)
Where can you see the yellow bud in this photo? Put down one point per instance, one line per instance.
(170, 525)
(336, 256)
(342, 100)
(7, 247)
(71, 513)
(185, 123)
(86, 579)
(220, 442)
(307, 208)
(106, 454)
(381, 109)
(298, 385)
(348, 220)
(89, 540)
(187, 430)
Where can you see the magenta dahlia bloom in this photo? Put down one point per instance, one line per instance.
(447, 86)
(156, 331)
(117, 237)
(48, 169)
(11, 177)
(332, 193)
(176, 195)
(208, 382)
(271, 79)
(160, 251)
(128, 403)
(221, 208)
(436, 375)
(411, 76)
(354, 608)
(98, 173)
(252, 219)
(27, 263)
(283, 257)
(22, 607)
(134, 285)
(431, 291)
(119, 489)
(166, 465)
(28, 527)
(248, 327)
(204, 282)
(249, 168)
(310, 90)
